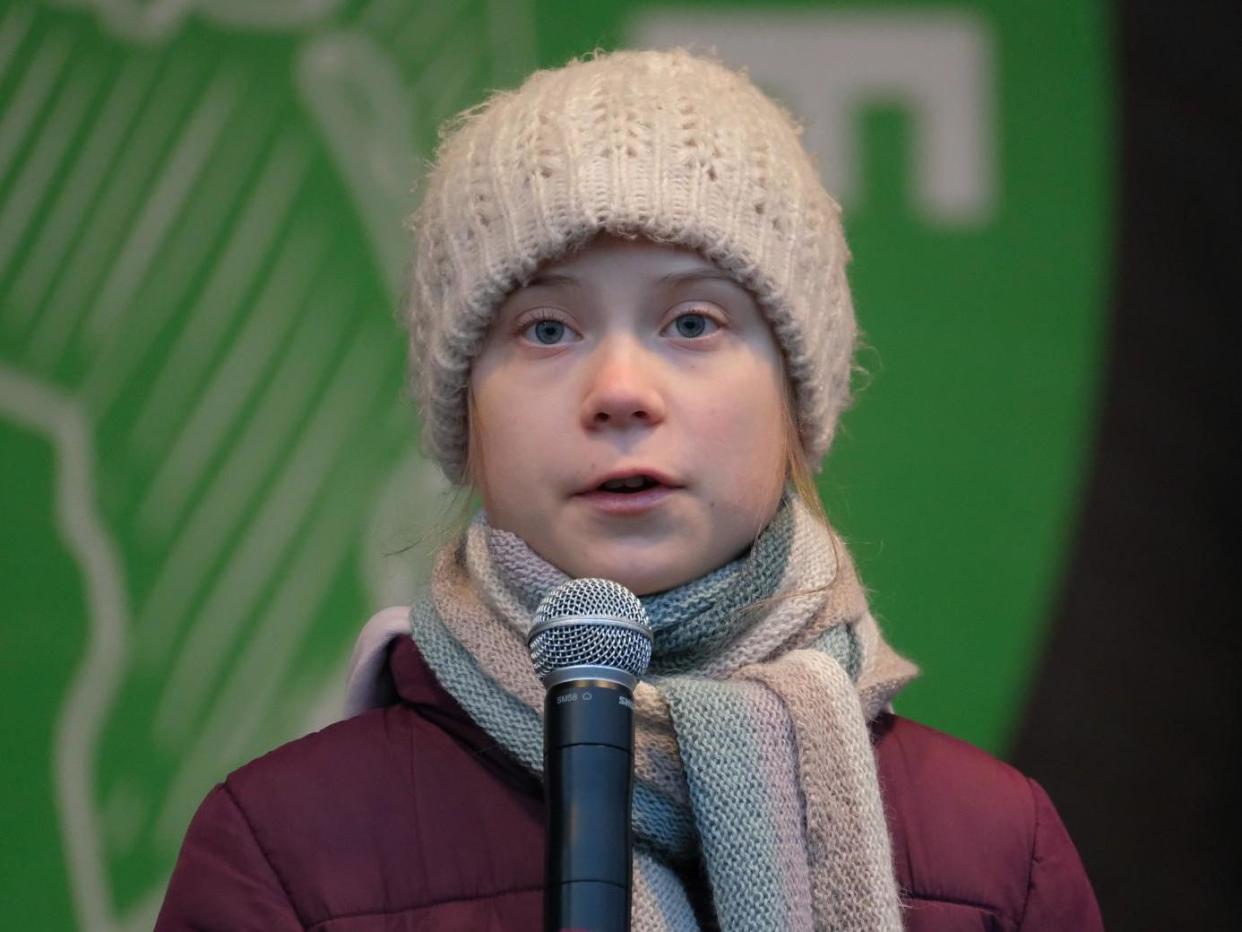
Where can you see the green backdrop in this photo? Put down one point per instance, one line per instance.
(209, 477)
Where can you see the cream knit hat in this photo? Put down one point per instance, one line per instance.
(665, 145)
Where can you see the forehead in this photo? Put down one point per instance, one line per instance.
(608, 257)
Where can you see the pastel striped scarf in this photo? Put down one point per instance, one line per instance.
(752, 748)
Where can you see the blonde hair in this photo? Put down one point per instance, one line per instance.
(798, 472)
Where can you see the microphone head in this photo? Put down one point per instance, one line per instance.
(590, 629)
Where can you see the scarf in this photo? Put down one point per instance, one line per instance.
(752, 753)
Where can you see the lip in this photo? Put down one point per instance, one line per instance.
(628, 473)
(629, 503)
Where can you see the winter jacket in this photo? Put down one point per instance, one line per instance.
(411, 818)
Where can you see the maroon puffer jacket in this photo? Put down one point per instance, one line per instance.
(411, 818)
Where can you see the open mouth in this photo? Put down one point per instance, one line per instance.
(632, 494)
(629, 485)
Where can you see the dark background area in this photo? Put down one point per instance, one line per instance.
(1132, 723)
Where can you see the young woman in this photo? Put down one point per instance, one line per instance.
(632, 334)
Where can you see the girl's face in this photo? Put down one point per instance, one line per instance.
(637, 362)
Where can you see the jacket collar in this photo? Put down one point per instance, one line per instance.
(417, 688)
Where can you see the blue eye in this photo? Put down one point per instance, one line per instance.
(547, 332)
(693, 325)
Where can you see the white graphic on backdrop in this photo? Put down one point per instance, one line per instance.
(160, 215)
(829, 65)
(49, 412)
(366, 116)
(152, 20)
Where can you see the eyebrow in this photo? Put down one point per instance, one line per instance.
(696, 275)
(551, 280)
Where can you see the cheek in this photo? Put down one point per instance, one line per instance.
(516, 430)
(507, 474)
(503, 436)
(757, 438)
(746, 410)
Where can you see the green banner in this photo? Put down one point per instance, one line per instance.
(210, 476)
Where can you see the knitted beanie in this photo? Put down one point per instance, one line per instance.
(663, 145)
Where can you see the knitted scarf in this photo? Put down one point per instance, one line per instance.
(752, 749)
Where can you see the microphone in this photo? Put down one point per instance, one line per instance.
(590, 643)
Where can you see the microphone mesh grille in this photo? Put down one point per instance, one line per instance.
(589, 634)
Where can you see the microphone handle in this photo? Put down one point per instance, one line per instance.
(588, 780)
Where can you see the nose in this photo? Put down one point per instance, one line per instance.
(623, 388)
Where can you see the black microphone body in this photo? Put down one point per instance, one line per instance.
(590, 643)
(588, 778)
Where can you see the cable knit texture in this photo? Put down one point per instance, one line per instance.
(752, 750)
(663, 145)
